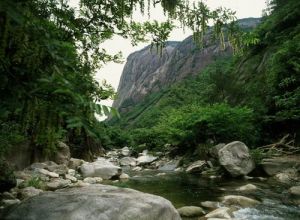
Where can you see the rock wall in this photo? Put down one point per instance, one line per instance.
(149, 71)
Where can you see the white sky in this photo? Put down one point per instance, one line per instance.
(112, 72)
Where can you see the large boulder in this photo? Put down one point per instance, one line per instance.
(275, 165)
(128, 161)
(145, 159)
(169, 166)
(94, 202)
(100, 168)
(236, 159)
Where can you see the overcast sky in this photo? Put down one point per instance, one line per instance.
(111, 72)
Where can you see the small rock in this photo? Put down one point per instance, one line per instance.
(124, 176)
(196, 166)
(58, 184)
(50, 163)
(287, 176)
(248, 177)
(161, 174)
(80, 183)
(262, 178)
(48, 173)
(59, 169)
(74, 163)
(214, 177)
(115, 181)
(9, 202)
(100, 168)
(71, 172)
(7, 195)
(241, 201)
(38, 166)
(29, 192)
(128, 161)
(222, 212)
(70, 177)
(178, 169)
(190, 211)
(19, 182)
(210, 204)
(137, 169)
(125, 151)
(295, 190)
(146, 159)
(93, 180)
(248, 187)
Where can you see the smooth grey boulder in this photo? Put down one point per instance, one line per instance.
(275, 165)
(94, 202)
(236, 159)
(169, 166)
(145, 159)
(100, 168)
(190, 211)
(128, 161)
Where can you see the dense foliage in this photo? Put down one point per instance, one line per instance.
(49, 53)
(253, 98)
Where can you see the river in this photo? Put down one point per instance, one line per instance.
(185, 189)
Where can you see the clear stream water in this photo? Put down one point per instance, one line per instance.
(185, 189)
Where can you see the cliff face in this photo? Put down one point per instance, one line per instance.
(147, 71)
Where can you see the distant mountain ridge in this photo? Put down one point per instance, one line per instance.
(146, 71)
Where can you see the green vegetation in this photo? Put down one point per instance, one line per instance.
(253, 97)
(35, 182)
(49, 53)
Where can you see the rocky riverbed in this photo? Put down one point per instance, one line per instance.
(220, 188)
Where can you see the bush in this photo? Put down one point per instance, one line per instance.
(194, 124)
(35, 182)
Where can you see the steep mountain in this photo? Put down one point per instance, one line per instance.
(254, 97)
(147, 71)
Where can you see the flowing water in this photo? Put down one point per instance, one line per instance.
(184, 190)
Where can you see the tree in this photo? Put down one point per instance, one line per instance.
(50, 52)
